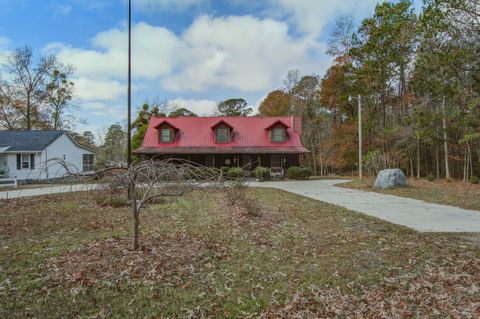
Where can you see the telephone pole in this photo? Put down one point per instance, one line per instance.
(129, 115)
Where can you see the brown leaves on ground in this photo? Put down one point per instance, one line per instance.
(162, 258)
(447, 288)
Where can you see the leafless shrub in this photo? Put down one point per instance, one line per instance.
(237, 195)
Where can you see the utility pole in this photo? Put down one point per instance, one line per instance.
(129, 115)
(359, 100)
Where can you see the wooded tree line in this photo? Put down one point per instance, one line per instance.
(419, 80)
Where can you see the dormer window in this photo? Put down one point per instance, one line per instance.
(278, 134)
(166, 133)
(222, 134)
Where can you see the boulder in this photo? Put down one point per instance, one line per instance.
(390, 178)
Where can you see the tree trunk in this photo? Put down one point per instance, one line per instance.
(437, 162)
(445, 139)
(28, 117)
(411, 166)
(418, 158)
(314, 159)
(136, 223)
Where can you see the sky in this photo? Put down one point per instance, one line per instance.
(192, 52)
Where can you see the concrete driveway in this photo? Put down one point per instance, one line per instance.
(413, 213)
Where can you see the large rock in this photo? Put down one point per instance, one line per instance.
(390, 178)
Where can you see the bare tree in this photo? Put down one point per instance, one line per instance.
(151, 179)
(29, 86)
(340, 41)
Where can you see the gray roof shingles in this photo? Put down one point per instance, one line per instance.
(28, 140)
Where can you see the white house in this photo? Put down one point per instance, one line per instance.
(34, 155)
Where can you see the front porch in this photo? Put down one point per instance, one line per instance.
(247, 161)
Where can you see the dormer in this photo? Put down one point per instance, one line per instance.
(278, 132)
(166, 133)
(223, 132)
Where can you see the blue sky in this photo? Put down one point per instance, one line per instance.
(192, 52)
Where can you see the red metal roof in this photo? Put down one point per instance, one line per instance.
(250, 135)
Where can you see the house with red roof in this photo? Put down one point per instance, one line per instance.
(246, 142)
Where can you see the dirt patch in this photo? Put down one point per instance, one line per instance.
(161, 258)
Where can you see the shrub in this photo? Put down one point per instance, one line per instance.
(237, 195)
(474, 180)
(430, 178)
(2, 171)
(235, 172)
(224, 169)
(295, 172)
(262, 173)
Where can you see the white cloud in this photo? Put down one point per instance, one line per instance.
(97, 89)
(154, 51)
(238, 52)
(111, 111)
(312, 16)
(199, 107)
(168, 4)
(243, 53)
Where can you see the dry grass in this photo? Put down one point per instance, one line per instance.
(454, 193)
(64, 257)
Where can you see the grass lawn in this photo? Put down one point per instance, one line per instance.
(63, 256)
(454, 193)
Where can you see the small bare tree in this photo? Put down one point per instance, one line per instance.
(151, 179)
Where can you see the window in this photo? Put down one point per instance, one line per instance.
(25, 161)
(222, 135)
(88, 163)
(278, 134)
(166, 135)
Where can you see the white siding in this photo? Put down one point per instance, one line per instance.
(63, 148)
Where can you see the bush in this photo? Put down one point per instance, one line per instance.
(295, 172)
(2, 171)
(225, 169)
(262, 173)
(237, 195)
(235, 172)
(474, 180)
(430, 178)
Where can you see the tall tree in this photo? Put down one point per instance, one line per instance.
(277, 103)
(23, 90)
(181, 112)
(112, 152)
(234, 107)
(59, 92)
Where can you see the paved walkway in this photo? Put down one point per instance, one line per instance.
(45, 190)
(413, 213)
